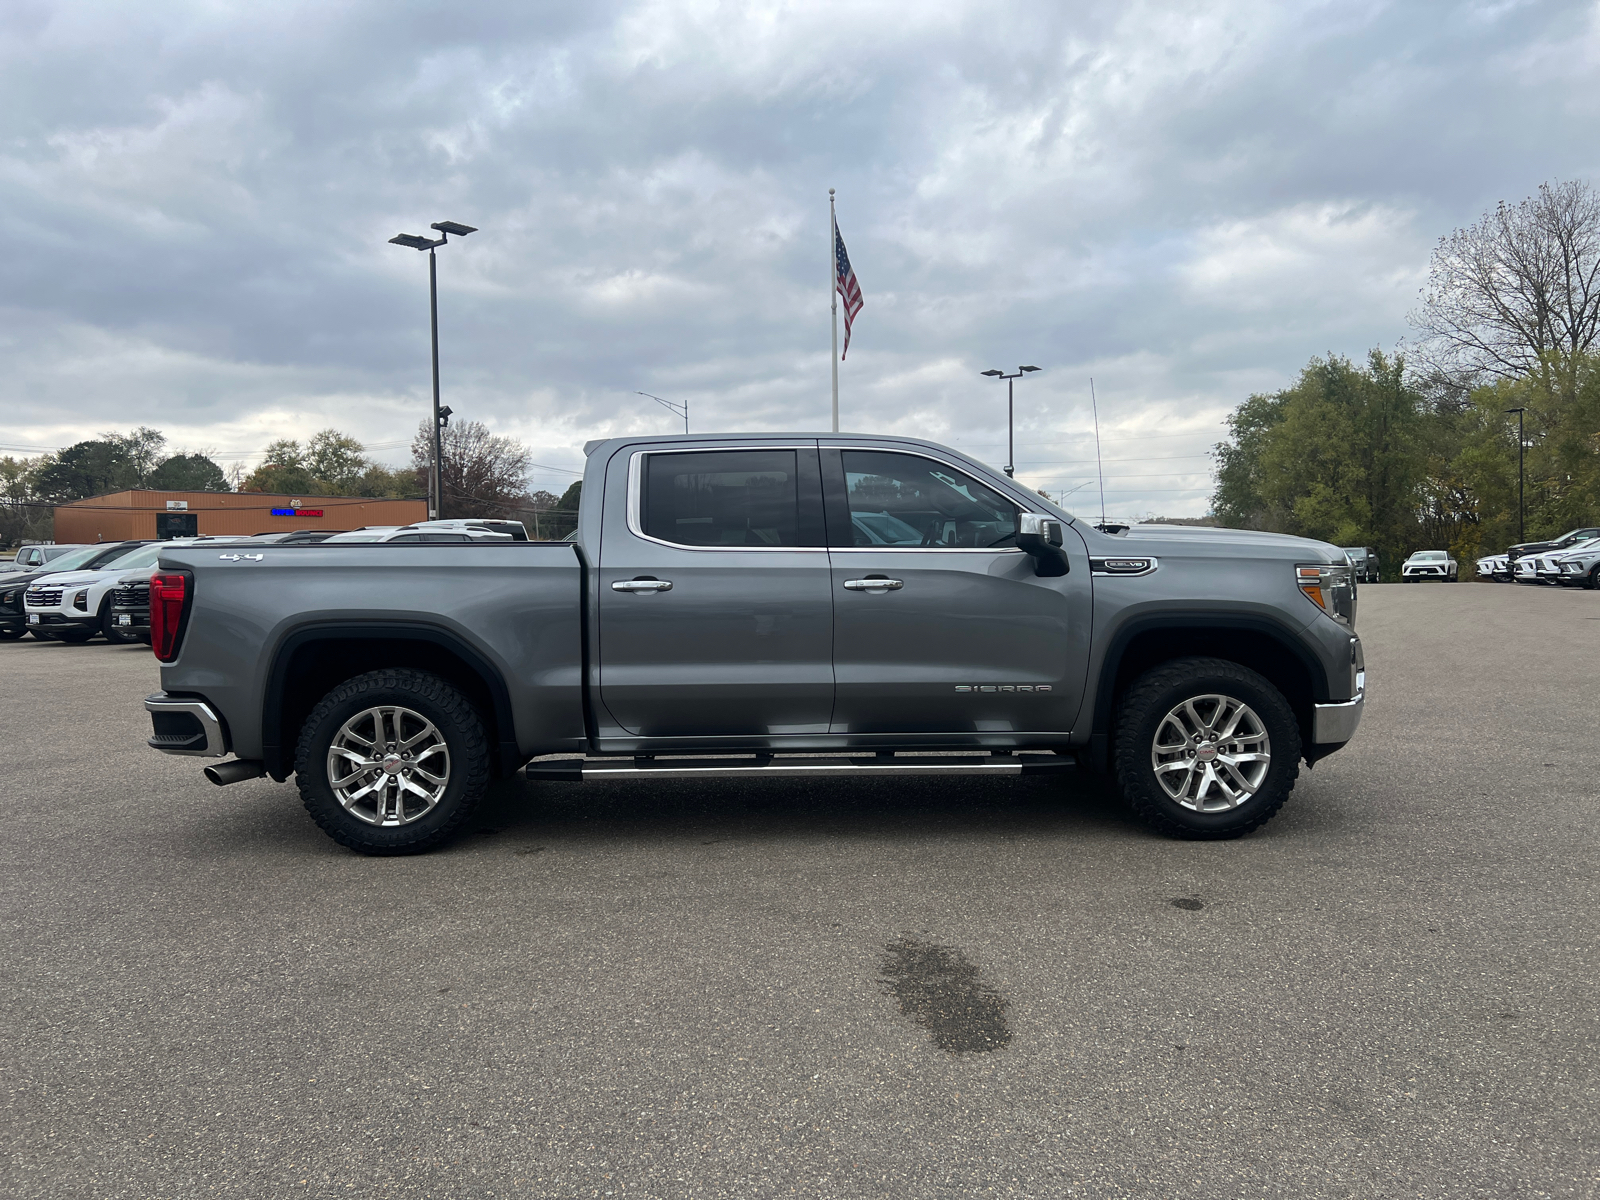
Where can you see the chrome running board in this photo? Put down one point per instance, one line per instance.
(575, 770)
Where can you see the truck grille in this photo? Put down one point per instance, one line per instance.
(39, 598)
(132, 595)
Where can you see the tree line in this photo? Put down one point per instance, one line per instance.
(484, 475)
(1416, 449)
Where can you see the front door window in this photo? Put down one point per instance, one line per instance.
(898, 500)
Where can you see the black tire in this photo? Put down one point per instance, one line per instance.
(1139, 717)
(458, 724)
(11, 635)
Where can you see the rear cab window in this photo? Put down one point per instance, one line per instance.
(731, 499)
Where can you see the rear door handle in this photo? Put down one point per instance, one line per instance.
(642, 585)
(880, 584)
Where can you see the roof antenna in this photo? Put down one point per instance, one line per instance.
(1099, 466)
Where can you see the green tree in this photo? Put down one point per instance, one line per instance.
(1334, 457)
(83, 469)
(188, 473)
(142, 451)
(330, 464)
(337, 459)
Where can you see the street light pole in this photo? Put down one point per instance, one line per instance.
(438, 433)
(1011, 465)
(675, 407)
(1522, 532)
(445, 228)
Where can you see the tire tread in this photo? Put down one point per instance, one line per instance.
(472, 757)
(1139, 788)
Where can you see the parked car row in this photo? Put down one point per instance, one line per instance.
(77, 593)
(1571, 560)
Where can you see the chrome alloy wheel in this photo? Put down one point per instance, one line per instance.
(1211, 753)
(388, 766)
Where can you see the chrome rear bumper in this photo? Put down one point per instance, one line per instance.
(185, 726)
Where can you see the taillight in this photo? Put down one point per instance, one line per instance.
(168, 597)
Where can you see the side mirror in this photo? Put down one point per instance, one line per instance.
(1041, 538)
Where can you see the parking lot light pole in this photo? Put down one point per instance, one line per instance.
(445, 228)
(1011, 465)
(1522, 533)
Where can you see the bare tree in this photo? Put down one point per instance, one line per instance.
(485, 475)
(1519, 292)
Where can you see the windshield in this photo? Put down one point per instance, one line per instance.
(88, 556)
(362, 535)
(144, 556)
(1429, 556)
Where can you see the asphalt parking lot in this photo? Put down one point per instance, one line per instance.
(714, 991)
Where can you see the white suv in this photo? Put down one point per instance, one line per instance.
(1429, 564)
(73, 606)
(1579, 565)
(423, 531)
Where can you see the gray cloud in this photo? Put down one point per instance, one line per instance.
(1185, 201)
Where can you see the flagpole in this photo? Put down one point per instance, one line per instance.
(833, 296)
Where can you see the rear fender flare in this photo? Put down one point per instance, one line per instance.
(279, 758)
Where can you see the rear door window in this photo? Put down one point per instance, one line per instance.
(730, 498)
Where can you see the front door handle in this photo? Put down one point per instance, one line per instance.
(877, 583)
(642, 585)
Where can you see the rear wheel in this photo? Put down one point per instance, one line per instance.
(1205, 748)
(392, 762)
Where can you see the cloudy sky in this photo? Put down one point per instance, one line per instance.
(1183, 201)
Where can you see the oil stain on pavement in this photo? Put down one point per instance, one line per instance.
(939, 989)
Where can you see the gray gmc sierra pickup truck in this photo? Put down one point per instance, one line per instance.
(764, 605)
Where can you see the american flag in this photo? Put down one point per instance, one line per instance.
(845, 281)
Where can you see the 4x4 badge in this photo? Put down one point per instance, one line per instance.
(237, 557)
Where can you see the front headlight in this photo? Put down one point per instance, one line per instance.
(81, 601)
(1331, 588)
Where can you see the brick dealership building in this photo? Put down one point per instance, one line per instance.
(141, 514)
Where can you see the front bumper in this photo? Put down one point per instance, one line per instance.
(49, 619)
(130, 620)
(1335, 724)
(184, 725)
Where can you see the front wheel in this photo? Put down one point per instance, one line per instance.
(392, 762)
(1205, 748)
(11, 635)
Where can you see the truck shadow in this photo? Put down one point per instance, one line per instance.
(894, 807)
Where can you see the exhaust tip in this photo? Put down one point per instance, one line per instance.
(222, 774)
